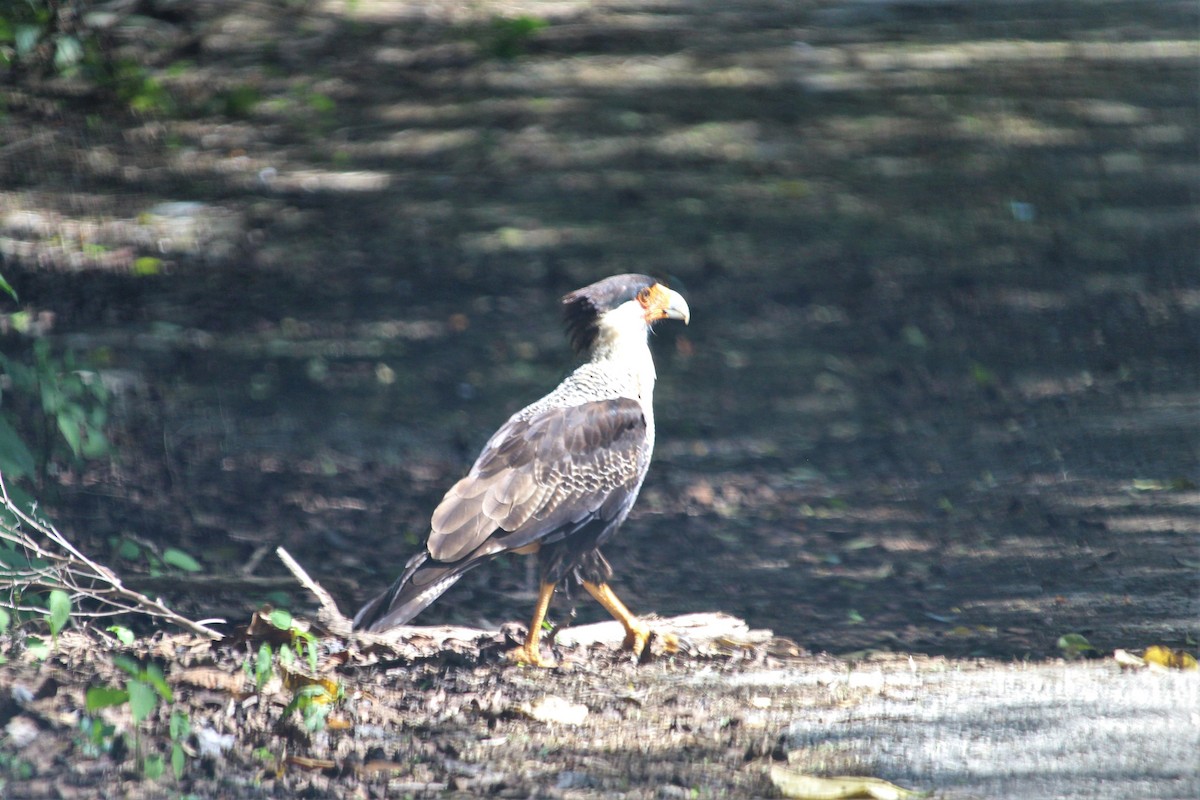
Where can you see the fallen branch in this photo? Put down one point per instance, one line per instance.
(64, 567)
(329, 616)
(708, 633)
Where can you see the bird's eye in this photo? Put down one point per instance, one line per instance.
(643, 297)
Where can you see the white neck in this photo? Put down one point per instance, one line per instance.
(621, 341)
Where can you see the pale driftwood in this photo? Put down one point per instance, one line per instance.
(703, 632)
(694, 630)
(707, 633)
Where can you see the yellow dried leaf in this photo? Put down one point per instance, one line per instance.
(338, 723)
(1171, 659)
(798, 786)
(295, 681)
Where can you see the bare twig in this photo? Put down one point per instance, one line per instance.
(69, 570)
(329, 615)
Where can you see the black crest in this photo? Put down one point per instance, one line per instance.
(583, 307)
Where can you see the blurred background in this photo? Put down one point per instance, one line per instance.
(287, 265)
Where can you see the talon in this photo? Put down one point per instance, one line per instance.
(525, 655)
(637, 636)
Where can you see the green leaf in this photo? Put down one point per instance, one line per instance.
(6, 287)
(96, 444)
(123, 634)
(153, 767)
(37, 647)
(16, 461)
(181, 560)
(69, 428)
(262, 667)
(146, 266)
(60, 610)
(982, 376)
(311, 691)
(180, 726)
(127, 664)
(178, 760)
(321, 103)
(129, 550)
(142, 700)
(99, 697)
(154, 674)
(1074, 644)
(281, 618)
(286, 657)
(5, 620)
(307, 643)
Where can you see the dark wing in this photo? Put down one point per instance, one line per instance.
(539, 479)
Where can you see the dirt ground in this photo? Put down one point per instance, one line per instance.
(938, 403)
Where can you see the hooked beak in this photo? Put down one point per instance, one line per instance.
(676, 307)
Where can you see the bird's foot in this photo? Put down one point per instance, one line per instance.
(526, 655)
(638, 635)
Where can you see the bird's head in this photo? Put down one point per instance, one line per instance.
(619, 302)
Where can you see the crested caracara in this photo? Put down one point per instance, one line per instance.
(561, 475)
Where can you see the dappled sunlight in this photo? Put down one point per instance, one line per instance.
(942, 270)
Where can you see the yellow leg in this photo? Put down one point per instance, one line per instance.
(529, 653)
(637, 633)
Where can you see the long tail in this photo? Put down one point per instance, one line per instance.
(421, 583)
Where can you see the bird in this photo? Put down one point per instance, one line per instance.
(560, 476)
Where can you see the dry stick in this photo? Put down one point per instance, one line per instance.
(329, 615)
(68, 570)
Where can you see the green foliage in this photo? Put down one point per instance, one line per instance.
(37, 647)
(129, 550)
(147, 266)
(151, 675)
(99, 697)
(60, 611)
(98, 736)
(508, 37)
(303, 642)
(39, 34)
(260, 668)
(1074, 645)
(177, 558)
(123, 634)
(15, 459)
(179, 728)
(238, 102)
(983, 377)
(7, 288)
(313, 702)
(45, 36)
(56, 614)
(153, 766)
(312, 697)
(144, 689)
(58, 404)
(18, 769)
(133, 85)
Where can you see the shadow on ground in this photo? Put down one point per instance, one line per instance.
(939, 396)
